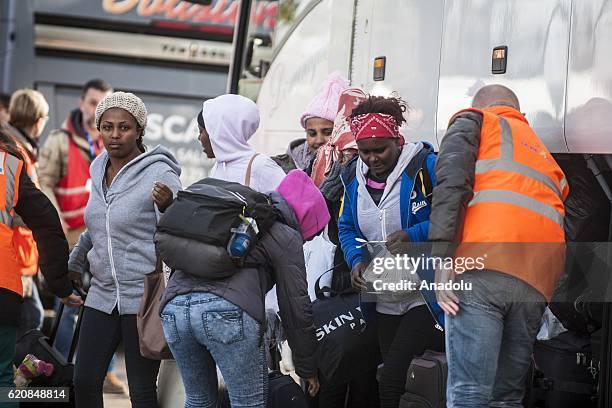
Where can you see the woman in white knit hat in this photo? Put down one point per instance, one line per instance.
(129, 186)
(318, 122)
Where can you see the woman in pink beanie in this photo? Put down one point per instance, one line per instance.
(318, 121)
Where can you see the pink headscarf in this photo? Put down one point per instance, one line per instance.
(341, 138)
(306, 201)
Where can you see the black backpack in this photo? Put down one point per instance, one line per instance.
(194, 232)
(210, 208)
(284, 392)
(426, 382)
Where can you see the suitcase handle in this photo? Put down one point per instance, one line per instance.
(58, 318)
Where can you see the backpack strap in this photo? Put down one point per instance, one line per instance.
(425, 181)
(247, 177)
(417, 170)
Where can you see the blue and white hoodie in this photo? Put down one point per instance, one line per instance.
(401, 201)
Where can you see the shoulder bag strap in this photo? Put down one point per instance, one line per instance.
(247, 177)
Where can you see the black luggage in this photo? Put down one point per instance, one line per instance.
(36, 343)
(347, 346)
(566, 373)
(284, 392)
(426, 382)
(578, 297)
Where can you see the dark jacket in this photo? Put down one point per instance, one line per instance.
(41, 217)
(298, 156)
(455, 171)
(280, 253)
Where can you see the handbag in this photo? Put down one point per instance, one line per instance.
(347, 346)
(151, 339)
(318, 256)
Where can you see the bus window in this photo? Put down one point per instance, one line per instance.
(262, 40)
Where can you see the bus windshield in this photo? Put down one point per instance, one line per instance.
(262, 40)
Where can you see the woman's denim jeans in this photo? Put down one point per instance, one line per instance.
(203, 329)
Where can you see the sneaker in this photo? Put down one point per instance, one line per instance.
(113, 385)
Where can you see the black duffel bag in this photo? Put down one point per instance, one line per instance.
(347, 346)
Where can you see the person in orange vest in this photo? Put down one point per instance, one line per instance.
(499, 201)
(29, 113)
(18, 195)
(65, 158)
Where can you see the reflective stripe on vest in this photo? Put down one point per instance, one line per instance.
(74, 213)
(74, 190)
(520, 200)
(10, 168)
(507, 163)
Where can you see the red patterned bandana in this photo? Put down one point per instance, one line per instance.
(374, 125)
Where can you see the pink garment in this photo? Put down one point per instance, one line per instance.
(306, 201)
(341, 138)
(325, 104)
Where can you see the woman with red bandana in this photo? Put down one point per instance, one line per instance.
(387, 199)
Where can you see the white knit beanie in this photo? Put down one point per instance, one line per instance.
(126, 101)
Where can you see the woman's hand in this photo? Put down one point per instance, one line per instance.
(162, 196)
(396, 242)
(77, 279)
(313, 385)
(72, 300)
(357, 280)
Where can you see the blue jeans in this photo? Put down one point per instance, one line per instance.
(490, 341)
(203, 329)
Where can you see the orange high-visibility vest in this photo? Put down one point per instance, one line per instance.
(73, 189)
(10, 169)
(23, 240)
(515, 218)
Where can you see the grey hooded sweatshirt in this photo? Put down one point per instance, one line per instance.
(120, 221)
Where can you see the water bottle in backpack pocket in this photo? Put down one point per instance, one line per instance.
(242, 239)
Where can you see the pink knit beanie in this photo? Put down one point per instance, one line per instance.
(325, 103)
(306, 201)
